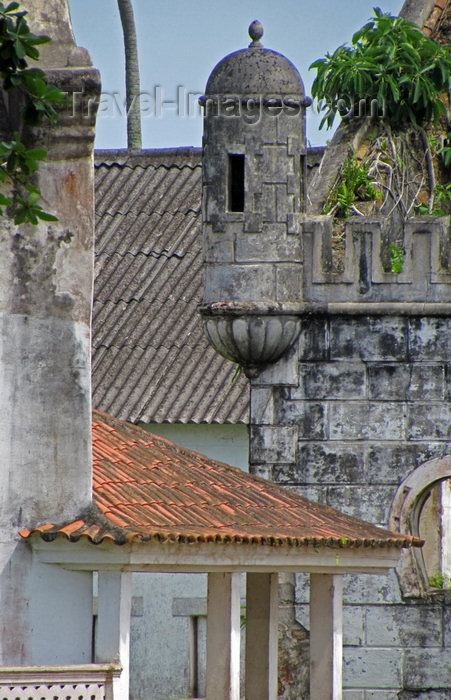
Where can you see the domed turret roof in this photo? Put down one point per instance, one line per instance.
(255, 71)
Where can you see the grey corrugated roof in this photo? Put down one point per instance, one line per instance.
(151, 362)
(150, 359)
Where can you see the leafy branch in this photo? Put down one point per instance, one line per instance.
(391, 70)
(441, 202)
(18, 163)
(389, 62)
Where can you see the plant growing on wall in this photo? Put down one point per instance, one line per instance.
(399, 78)
(355, 183)
(439, 580)
(17, 162)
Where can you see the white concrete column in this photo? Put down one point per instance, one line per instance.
(112, 643)
(223, 637)
(261, 636)
(326, 636)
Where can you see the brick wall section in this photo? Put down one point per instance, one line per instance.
(343, 419)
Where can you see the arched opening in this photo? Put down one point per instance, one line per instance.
(422, 507)
(434, 526)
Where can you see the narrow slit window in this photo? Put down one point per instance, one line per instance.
(236, 182)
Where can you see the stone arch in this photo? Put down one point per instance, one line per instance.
(405, 514)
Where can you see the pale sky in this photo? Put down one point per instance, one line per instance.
(180, 42)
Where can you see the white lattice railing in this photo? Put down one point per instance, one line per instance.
(93, 682)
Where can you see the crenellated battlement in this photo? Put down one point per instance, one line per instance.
(259, 285)
(362, 271)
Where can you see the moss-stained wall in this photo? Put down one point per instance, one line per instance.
(45, 404)
(359, 403)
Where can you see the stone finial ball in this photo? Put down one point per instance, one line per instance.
(256, 30)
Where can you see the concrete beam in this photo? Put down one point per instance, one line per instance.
(211, 557)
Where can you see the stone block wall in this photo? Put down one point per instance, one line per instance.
(254, 254)
(360, 402)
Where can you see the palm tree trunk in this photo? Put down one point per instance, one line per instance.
(132, 84)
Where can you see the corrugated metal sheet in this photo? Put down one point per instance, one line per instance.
(147, 488)
(151, 361)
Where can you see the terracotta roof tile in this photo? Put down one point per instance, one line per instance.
(146, 488)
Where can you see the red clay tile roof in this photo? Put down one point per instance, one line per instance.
(146, 488)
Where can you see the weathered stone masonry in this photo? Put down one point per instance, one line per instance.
(45, 388)
(348, 414)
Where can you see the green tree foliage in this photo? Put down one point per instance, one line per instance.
(18, 163)
(390, 61)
